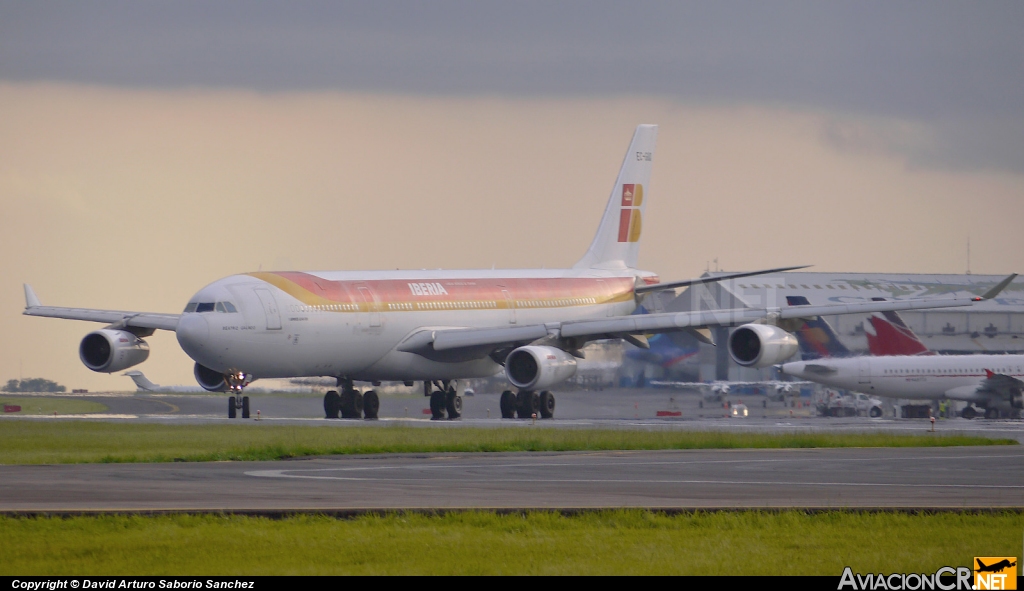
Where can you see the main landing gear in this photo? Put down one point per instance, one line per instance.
(236, 380)
(526, 404)
(351, 403)
(444, 400)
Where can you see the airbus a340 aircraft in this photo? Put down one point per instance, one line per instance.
(440, 326)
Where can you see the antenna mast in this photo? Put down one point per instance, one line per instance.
(968, 255)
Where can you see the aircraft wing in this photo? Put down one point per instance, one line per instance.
(144, 320)
(1001, 386)
(482, 341)
(671, 321)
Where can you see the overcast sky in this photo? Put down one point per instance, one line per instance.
(953, 66)
(924, 59)
(855, 136)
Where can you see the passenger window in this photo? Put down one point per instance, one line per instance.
(191, 307)
(205, 307)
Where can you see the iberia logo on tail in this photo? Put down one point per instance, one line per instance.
(629, 218)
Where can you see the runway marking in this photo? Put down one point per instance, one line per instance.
(630, 462)
(303, 473)
(281, 474)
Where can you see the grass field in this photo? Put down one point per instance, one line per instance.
(614, 542)
(48, 442)
(48, 405)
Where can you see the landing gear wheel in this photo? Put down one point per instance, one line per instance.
(991, 413)
(346, 403)
(508, 405)
(453, 404)
(437, 403)
(332, 402)
(245, 407)
(547, 405)
(527, 403)
(231, 407)
(968, 413)
(357, 405)
(371, 404)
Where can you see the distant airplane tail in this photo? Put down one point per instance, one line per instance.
(665, 349)
(141, 381)
(617, 241)
(892, 336)
(816, 337)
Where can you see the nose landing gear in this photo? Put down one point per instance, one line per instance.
(236, 381)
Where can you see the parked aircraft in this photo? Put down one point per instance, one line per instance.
(890, 335)
(668, 355)
(143, 383)
(815, 335)
(720, 389)
(886, 332)
(991, 382)
(441, 326)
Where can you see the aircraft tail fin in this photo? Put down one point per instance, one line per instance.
(816, 336)
(31, 299)
(892, 336)
(617, 241)
(141, 381)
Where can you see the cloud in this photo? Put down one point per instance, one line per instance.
(957, 144)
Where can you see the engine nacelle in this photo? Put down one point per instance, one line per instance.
(210, 380)
(536, 367)
(761, 345)
(107, 350)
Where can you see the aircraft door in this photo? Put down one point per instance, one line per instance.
(604, 294)
(269, 308)
(372, 305)
(511, 305)
(864, 371)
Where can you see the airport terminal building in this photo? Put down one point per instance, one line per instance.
(994, 326)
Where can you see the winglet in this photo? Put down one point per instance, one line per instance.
(988, 295)
(31, 300)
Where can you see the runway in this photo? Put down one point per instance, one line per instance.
(618, 408)
(815, 478)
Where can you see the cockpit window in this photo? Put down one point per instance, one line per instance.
(223, 307)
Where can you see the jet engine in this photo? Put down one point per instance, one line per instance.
(761, 345)
(108, 350)
(537, 367)
(209, 379)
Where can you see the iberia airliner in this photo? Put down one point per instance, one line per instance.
(439, 326)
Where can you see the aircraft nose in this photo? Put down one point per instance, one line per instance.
(193, 333)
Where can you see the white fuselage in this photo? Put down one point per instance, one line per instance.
(350, 324)
(929, 377)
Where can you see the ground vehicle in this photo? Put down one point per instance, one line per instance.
(835, 403)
